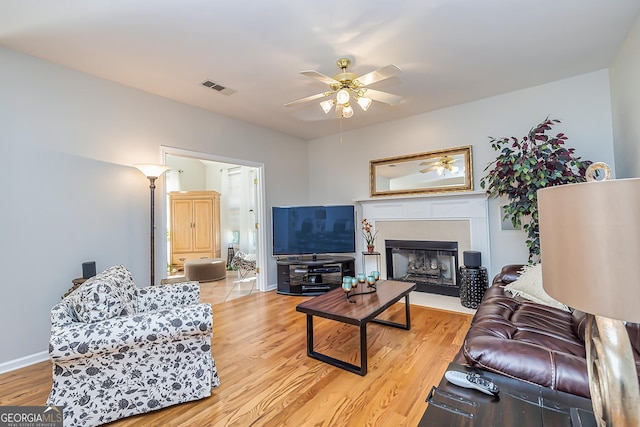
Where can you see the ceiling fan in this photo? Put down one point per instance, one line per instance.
(440, 165)
(349, 86)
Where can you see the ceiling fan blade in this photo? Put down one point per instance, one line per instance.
(319, 76)
(429, 169)
(385, 97)
(379, 74)
(307, 99)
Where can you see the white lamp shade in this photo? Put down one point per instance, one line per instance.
(347, 111)
(364, 103)
(150, 170)
(590, 246)
(327, 105)
(342, 97)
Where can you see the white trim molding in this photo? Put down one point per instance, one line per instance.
(22, 362)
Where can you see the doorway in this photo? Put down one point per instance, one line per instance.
(241, 187)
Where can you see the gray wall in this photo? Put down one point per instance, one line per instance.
(70, 194)
(582, 103)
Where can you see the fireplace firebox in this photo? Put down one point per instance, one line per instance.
(431, 265)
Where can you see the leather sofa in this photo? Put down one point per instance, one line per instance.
(530, 341)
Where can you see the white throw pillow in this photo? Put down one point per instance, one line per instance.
(109, 294)
(529, 286)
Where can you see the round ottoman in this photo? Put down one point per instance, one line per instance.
(205, 269)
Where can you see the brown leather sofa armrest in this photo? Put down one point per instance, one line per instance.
(508, 274)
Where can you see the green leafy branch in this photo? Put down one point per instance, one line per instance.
(525, 165)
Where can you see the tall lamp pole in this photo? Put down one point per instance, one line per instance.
(152, 172)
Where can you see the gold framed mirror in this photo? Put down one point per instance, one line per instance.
(440, 171)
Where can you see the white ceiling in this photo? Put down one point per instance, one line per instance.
(450, 51)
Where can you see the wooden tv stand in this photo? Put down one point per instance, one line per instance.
(313, 275)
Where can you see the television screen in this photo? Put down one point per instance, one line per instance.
(299, 230)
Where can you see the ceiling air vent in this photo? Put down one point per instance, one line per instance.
(217, 87)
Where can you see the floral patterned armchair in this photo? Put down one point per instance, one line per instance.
(118, 350)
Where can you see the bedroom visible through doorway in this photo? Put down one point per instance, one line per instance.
(240, 189)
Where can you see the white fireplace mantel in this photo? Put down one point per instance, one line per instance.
(467, 206)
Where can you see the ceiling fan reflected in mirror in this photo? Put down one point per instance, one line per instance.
(445, 163)
(349, 87)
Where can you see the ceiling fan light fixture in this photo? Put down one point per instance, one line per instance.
(364, 103)
(347, 111)
(327, 105)
(342, 97)
(346, 88)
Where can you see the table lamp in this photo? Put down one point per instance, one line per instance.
(590, 247)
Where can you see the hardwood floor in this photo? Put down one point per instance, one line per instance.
(231, 287)
(259, 345)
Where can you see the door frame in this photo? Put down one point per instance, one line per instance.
(261, 260)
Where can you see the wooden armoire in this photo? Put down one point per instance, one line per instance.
(194, 226)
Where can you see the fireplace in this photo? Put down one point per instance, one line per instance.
(431, 265)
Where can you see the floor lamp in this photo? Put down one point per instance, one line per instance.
(152, 172)
(590, 247)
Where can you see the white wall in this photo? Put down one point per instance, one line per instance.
(70, 195)
(582, 104)
(625, 105)
(194, 173)
(214, 177)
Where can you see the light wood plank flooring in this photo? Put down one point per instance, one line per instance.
(267, 379)
(231, 287)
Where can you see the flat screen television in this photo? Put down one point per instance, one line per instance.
(300, 230)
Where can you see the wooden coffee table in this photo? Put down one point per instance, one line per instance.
(334, 305)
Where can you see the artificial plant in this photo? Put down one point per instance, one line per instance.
(525, 165)
(369, 237)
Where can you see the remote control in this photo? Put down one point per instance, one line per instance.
(470, 380)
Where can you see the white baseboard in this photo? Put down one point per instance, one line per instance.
(14, 364)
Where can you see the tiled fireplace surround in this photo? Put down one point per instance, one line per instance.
(456, 217)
